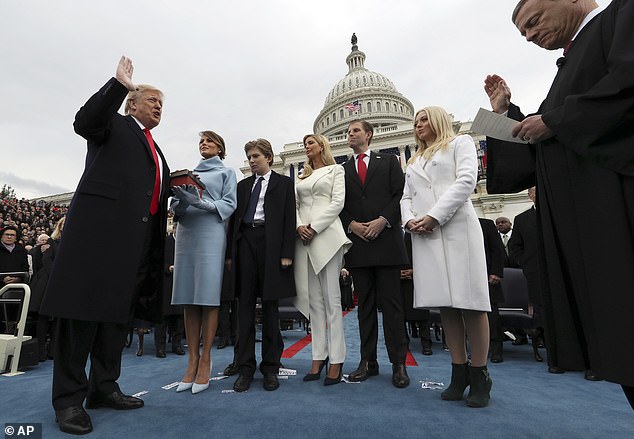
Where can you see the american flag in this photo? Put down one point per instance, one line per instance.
(354, 106)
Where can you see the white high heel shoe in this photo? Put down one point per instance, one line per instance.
(184, 386)
(197, 388)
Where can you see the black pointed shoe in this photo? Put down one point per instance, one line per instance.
(400, 378)
(73, 420)
(115, 400)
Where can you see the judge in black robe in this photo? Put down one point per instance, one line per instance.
(581, 157)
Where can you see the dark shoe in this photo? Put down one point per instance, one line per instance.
(231, 370)
(243, 383)
(73, 420)
(366, 369)
(315, 376)
(139, 353)
(223, 343)
(538, 357)
(115, 400)
(495, 350)
(270, 382)
(555, 369)
(591, 376)
(426, 347)
(479, 387)
(160, 354)
(177, 349)
(400, 378)
(459, 382)
(331, 381)
(497, 358)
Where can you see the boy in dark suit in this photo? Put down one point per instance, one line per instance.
(263, 247)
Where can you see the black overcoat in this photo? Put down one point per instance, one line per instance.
(585, 197)
(95, 269)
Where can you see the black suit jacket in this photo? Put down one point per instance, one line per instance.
(379, 196)
(279, 228)
(495, 256)
(94, 275)
(523, 243)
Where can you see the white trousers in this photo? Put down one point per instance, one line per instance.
(326, 320)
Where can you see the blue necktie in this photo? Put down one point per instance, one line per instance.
(253, 201)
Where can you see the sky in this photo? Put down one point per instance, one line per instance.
(245, 69)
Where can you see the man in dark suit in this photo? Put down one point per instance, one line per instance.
(98, 284)
(580, 158)
(371, 216)
(495, 255)
(263, 248)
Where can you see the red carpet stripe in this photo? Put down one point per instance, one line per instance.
(290, 351)
(410, 360)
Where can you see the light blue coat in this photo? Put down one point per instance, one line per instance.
(201, 237)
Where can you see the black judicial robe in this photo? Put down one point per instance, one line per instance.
(585, 197)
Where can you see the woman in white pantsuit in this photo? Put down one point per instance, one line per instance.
(321, 244)
(448, 256)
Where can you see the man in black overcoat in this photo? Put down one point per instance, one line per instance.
(372, 218)
(580, 155)
(262, 251)
(99, 283)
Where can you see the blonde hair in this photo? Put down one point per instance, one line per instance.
(440, 124)
(59, 227)
(326, 154)
(138, 94)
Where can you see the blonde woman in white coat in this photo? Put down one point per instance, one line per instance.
(447, 247)
(321, 244)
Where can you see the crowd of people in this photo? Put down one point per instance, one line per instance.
(274, 238)
(32, 218)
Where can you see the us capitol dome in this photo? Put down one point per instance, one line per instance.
(362, 94)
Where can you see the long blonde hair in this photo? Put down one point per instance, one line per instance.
(326, 154)
(440, 124)
(59, 227)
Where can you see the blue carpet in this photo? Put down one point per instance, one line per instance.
(527, 402)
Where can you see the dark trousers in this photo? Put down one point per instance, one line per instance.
(495, 329)
(104, 341)
(251, 272)
(380, 286)
(75, 340)
(175, 325)
(228, 320)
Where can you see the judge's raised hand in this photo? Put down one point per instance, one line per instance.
(532, 130)
(498, 92)
(124, 73)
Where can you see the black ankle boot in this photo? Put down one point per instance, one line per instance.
(481, 383)
(459, 382)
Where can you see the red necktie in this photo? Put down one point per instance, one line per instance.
(154, 205)
(362, 169)
(567, 47)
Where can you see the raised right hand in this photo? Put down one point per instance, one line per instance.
(498, 92)
(124, 73)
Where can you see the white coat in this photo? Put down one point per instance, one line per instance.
(449, 264)
(320, 198)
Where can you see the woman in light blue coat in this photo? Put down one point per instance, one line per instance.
(200, 255)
